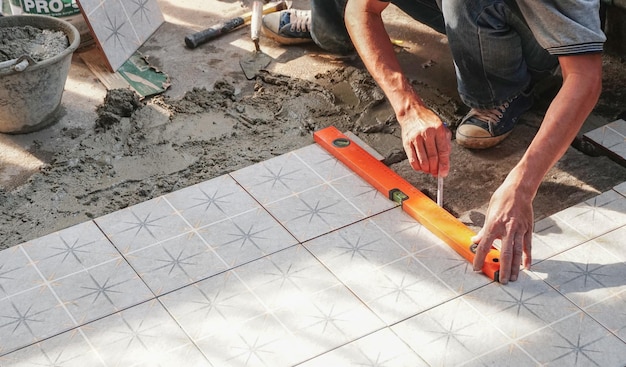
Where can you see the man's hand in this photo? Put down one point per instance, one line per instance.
(510, 219)
(427, 144)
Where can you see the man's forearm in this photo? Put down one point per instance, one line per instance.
(368, 34)
(582, 83)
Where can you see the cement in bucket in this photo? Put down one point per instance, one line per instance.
(31, 99)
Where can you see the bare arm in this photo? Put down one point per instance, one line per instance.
(510, 213)
(426, 141)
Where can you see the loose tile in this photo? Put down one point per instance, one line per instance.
(142, 225)
(246, 237)
(382, 348)
(211, 201)
(450, 334)
(69, 349)
(17, 272)
(175, 263)
(71, 250)
(121, 27)
(29, 317)
(144, 335)
(575, 341)
(101, 290)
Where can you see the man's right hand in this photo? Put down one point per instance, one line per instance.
(426, 142)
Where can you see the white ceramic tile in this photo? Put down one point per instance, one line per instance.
(314, 212)
(69, 349)
(144, 335)
(175, 263)
(29, 317)
(406, 231)
(611, 313)
(614, 243)
(285, 277)
(17, 272)
(552, 236)
(362, 195)
(324, 321)
(71, 250)
(450, 334)
(246, 237)
(521, 307)
(356, 250)
(101, 290)
(322, 163)
(258, 342)
(575, 341)
(121, 27)
(277, 178)
(209, 307)
(606, 136)
(621, 188)
(142, 225)
(585, 274)
(382, 348)
(211, 201)
(508, 355)
(596, 216)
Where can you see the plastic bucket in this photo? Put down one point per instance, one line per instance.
(31, 99)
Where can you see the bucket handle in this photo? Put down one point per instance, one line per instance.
(19, 64)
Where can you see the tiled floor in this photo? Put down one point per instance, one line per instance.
(611, 138)
(295, 261)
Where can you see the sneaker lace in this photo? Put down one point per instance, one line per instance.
(300, 20)
(491, 116)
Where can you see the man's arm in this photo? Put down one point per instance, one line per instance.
(510, 213)
(424, 138)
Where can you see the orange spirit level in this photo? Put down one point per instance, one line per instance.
(419, 206)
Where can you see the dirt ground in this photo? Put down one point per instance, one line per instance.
(132, 150)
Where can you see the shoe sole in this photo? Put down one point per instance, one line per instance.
(471, 142)
(284, 40)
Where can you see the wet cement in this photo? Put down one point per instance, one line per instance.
(26, 40)
(137, 150)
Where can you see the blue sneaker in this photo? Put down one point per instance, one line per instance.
(481, 129)
(288, 26)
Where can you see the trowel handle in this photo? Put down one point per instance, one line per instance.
(257, 15)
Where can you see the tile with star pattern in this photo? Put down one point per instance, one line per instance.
(121, 27)
(382, 348)
(450, 334)
(69, 349)
(71, 250)
(17, 272)
(577, 340)
(143, 335)
(142, 225)
(211, 201)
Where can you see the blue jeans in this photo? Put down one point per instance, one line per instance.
(495, 54)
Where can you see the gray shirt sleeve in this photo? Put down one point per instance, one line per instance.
(565, 27)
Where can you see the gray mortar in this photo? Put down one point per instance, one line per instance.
(26, 40)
